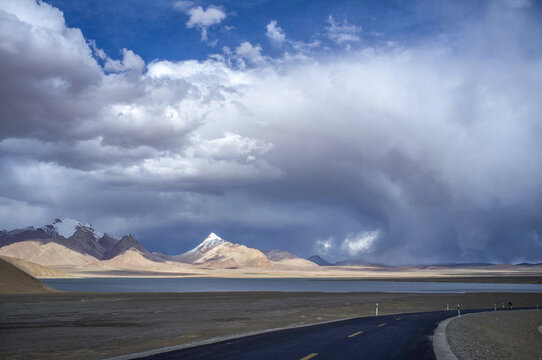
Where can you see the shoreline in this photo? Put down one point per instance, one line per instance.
(520, 279)
(535, 279)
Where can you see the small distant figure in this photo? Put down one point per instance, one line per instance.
(510, 305)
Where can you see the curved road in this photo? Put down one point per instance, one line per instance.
(402, 336)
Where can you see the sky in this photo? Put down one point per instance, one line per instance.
(400, 132)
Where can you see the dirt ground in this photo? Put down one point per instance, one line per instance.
(497, 335)
(100, 325)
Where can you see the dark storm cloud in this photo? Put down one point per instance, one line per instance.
(425, 153)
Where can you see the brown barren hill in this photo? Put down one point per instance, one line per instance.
(36, 270)
(15, 281)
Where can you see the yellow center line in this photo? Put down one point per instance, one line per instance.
(398, 319)
(354, 334)
(310, 356)
(383, 324)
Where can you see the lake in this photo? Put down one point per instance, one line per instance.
(287, 285)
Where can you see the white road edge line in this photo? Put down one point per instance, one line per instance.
(218, 339)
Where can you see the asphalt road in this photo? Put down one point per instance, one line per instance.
(403, 336)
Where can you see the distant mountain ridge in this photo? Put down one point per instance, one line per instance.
(75, 235)
(528, 264)
(67, 226)
(288, 259)
(65, 242)
(460, 265)
(349, 262)
(319, 261)
(68, 244)
(125, 243)
(73, 243)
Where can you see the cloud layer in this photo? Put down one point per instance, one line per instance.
(421, 153)
(342, 32)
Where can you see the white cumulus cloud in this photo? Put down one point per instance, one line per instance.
(360, 243)
(204, 18)
(252, 53)
(275, 33)
(325, 247)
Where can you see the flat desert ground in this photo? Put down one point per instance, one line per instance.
(489, 274)
(100, 325)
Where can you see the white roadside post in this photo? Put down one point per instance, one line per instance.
(503, 306)
(447, 307)
(458, 311)
(495, 307)
(376, 311)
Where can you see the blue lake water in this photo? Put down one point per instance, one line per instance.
(287, 285)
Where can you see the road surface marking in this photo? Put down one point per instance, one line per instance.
(310, 356)
(398, 319)
(354, 334)
(383, 324)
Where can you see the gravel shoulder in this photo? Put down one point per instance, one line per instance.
(497, 335)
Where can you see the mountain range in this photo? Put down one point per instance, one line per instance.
(70, 245)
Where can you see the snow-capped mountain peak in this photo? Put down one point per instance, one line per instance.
(211, 241)
(215, 251)
(67, 227)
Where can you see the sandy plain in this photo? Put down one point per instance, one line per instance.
(494, 273)
(101, 325)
